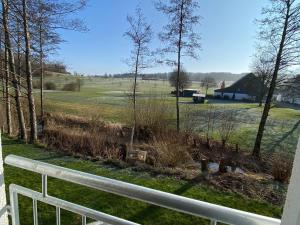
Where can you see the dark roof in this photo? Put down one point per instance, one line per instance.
(249, 84)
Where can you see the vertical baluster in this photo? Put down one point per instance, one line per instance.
(3, 202)
(44, 185)
(14, 208)
(35, 212)
(83, 220)
(57, 216)
(213, 222)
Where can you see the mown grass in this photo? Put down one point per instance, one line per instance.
(108, 99)
(112, 204)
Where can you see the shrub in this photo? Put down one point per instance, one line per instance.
(73, 86)
(36, 84)
(50, 86)
(153, 114)
(281, 169)
(169, 154)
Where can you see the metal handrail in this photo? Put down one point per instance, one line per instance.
(213, 212)
(71, 207)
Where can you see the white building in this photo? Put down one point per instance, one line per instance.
(247, 88)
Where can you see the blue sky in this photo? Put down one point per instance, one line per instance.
(227, 29)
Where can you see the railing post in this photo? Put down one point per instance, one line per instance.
(213, 222)
(291, 213)
(45, 185)
(3, 202)
(14, 207)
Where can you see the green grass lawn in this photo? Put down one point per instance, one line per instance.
(112, 204)
(108, 99)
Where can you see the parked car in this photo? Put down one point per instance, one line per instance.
(199, 98)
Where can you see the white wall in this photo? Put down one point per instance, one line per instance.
(3, 214)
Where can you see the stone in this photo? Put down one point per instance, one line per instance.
(136, 156)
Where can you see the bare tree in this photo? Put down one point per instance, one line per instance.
(178, 36)
(140, 35)
(262, 68)
(5, 85)
(290, 89)
(280, 35)
(184, 80)
(210, 118)
(223, 84)
(11, 69)
(7, 95)
(46, 17)
(227, 125)
(208, 82)
(31, 103)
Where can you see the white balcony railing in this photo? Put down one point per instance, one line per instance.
(212, 212)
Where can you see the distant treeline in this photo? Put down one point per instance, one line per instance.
(51, 66)
(218, 76)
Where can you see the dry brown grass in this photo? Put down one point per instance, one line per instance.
(73, 141)
(167, 153)
(88, 137)
(152, 113)
(282, 168)
(95, 138)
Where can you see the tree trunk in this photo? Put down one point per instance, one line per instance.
(7, 96)
(257, 146)
(2, 79)
(12, 70)
(134, 97)
(42, 75)
(19, 69)
(31, 104)
(179, 68)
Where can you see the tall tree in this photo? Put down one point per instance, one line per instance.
(31, 103)
(184, 80)
(140, 34)
(11, 70)
(46, 17)
(7, 94)
(2, 71)
(280, 35)
(178, 36)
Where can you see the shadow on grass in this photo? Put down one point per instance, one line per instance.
(285, 136)
(13, 141)
(150, 211)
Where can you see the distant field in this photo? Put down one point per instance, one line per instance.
(108, 99)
